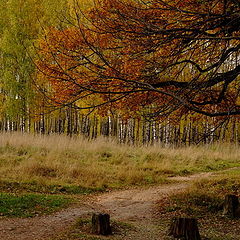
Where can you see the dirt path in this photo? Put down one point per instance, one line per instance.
(134, 205)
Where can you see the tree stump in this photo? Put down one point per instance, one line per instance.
(101, 224)
(185, 228)
(231, 207)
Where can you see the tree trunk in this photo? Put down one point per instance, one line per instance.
(101, 224)
(231, 206)
(185, 228)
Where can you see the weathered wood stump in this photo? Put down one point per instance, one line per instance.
(101, 224)
(231, 206)
(184, 228)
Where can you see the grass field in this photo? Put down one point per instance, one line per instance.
(61, 164)
(42, 174)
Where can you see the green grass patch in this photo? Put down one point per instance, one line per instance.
(30, 205)
(36, 187)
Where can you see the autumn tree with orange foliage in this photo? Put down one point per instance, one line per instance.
(169, 56)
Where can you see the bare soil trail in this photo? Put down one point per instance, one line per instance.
(136, 206)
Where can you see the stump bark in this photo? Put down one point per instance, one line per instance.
(231, 206)
(185, 228)
(101, 224)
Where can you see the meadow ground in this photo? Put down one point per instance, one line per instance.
(57, 172)
(43, 163)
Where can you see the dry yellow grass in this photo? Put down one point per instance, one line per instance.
(103, 163)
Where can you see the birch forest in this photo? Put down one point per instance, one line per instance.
(140, 72)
